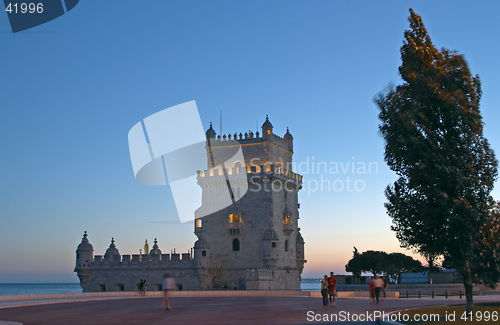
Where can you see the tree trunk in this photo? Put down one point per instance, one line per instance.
(468, 288)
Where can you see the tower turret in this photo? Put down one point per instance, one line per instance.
(155, 250)
(112, 253)
(84, 259)
(267, 129)
(210, 132)
(201, 253)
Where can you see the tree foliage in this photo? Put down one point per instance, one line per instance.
(487, 249)
(433, 131)
(378, 262)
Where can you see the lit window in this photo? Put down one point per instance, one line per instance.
(234, 218)
(268, 131)
(288, 220)
(198, 223)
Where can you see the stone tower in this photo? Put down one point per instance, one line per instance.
(84, 259)
(254, 242)
(247, 226)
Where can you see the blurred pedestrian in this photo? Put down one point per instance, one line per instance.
(167, 286)
(379, 286)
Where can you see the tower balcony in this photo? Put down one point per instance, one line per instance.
(234, 228)
(288, 229)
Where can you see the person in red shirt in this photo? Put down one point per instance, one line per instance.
(332, 282)
(372, 291)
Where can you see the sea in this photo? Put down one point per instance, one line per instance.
(39, 288)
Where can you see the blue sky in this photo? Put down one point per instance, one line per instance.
(71, 90)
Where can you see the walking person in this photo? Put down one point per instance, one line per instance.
(372, 291)
(144, 287)
(167, 286)
(324, 290)
(332, 282)
(379, 285)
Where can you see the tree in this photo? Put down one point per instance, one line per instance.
(487, 262)
(369, 261)
(353, 265)
(378, 262)
(434, 141)
(398, 263)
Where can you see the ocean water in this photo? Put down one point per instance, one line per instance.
(310, 285)
(38, 288)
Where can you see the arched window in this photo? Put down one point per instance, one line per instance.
(236, 245)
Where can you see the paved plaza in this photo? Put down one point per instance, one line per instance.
(209, 310)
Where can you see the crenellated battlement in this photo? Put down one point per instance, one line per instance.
(261, 171)
(238, 137)
(144, 260)
(249, 138)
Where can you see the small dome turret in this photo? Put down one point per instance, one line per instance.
(210, 132)
(288, 135)
(112, 250)
(155, 250)
(267, 127)
(85, 245)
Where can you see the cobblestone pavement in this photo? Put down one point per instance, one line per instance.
(212, 310)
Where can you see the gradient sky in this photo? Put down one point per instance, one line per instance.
(71, 90)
